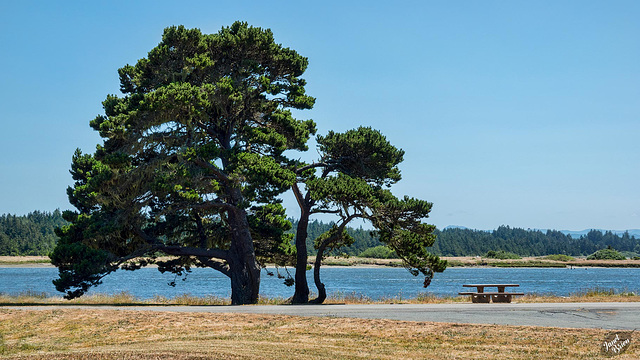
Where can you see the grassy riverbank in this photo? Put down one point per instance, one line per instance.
(126, 299)
(108, 334)
(467, 261)
(24, 260)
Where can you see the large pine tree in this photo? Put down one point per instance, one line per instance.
(192, 160)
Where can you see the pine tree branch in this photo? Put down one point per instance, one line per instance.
(216, 265)
(177, 250)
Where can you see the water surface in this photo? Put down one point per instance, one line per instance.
(375, 283)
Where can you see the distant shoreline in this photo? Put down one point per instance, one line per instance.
(463, 261)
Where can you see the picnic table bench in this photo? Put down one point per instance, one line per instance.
(500, 296)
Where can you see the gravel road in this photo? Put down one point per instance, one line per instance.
(567, 315)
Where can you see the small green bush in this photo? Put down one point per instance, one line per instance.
(559, 257)
(502, 255)
(378, 252)
(606, 254)
(630, 254)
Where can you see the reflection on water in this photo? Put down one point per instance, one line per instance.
(374, 283)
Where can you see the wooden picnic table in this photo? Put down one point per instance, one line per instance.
(481, 296)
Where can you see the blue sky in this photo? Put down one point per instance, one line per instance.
(523, 113)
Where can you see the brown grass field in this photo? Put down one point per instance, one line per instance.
(122, 334)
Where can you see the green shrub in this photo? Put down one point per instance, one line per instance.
(630, 254)
(502, 255)
(606, 254)
(559, 257)
(379, 252)
(455, 263)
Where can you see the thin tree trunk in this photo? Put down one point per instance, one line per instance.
(322, 292)
(301, 294)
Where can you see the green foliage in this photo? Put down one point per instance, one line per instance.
(501, 254)
(362, 239)
(271, 236)
(348, 181)
(467, 242)
(362, 153)
(559, 257)
(606, 254)
(333, 239)
(379, 252)
(192, 161)
(32, 234)
(399, 225)
(629, 254)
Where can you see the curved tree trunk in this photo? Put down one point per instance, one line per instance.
(301, 294)
(322, 292)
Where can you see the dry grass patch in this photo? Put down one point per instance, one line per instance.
(25, 260)
(125, 298)
(112, 334)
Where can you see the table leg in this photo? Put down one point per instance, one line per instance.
(506, 298)
(480, 298)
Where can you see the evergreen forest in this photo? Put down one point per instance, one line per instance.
(467, 242)
(29, 235)
(33, 234)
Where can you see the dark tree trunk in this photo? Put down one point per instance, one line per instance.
(301, 294)
(322, 292)
(243, 266)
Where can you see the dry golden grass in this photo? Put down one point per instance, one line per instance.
(25, 260)
(109, 334)
(124, 298)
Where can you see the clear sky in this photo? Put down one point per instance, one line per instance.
(522, 113)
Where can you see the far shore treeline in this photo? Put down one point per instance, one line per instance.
(33, 235)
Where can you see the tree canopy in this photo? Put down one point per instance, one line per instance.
(350, 181)
(192, 161)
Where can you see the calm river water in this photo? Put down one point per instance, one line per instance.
(374, 283)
